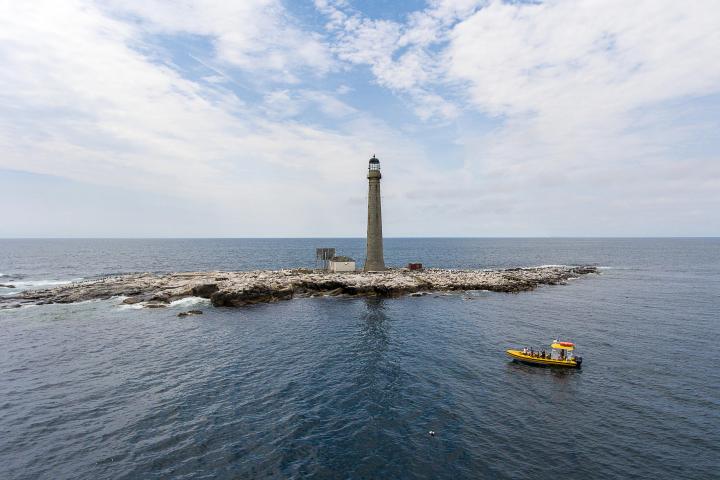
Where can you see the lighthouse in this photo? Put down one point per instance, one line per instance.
(374, 260)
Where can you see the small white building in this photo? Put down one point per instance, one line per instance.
(341, 264)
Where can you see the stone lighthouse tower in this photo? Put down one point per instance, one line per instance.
(374, 260)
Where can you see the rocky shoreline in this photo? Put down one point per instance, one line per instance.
(237, 289)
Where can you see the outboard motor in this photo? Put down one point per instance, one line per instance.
(578, 360)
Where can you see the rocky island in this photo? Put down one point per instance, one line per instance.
(237, 289)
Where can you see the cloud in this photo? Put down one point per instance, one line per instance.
(517, 58)
(560, 118)
(572, 79)
(80, 99)
(287, 103)
(359, 40)
(584, 99)
(252, 35)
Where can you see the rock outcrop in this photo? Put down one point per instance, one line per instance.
(237, 289)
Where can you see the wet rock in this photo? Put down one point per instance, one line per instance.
(205, 291)
(7, 285)
(586, 269)
(156, 305)
(162, 297)
(136, 299)
(249, 296)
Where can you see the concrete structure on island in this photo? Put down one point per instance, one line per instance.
(374, 260)
(341, 263)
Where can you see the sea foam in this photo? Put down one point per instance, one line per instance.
(189, 301)
(28, 284)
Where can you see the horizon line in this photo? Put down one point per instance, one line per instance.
(500, 237)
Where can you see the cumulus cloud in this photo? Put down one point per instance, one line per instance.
(558, 117)
(575, 82)
(396, 53)
(517, 58)
(584, 96)
(256, 35)
(80, 99)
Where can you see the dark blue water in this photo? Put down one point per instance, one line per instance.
(349, 388)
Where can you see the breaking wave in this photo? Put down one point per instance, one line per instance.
(181, 303)
(134, 306)
(29, 284)
(189, 301)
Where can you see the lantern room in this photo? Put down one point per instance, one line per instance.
(374, 164)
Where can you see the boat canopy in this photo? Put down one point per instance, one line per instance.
(563, 346)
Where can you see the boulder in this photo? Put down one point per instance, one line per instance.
(136, 299)
(156, 305)
(160, 297)
(250, 296)
(204, 290)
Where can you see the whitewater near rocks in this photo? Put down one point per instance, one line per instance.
(236, 289)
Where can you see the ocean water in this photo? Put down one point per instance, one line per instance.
(350, 387)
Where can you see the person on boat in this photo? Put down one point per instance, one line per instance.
(525, 350)
(543, 354)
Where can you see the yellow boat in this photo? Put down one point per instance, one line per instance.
(561, 355)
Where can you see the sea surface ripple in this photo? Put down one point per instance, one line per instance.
(350, 388)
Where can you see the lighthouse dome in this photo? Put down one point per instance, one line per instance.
(374, 163)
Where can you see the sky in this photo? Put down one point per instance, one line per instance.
(256, 118)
